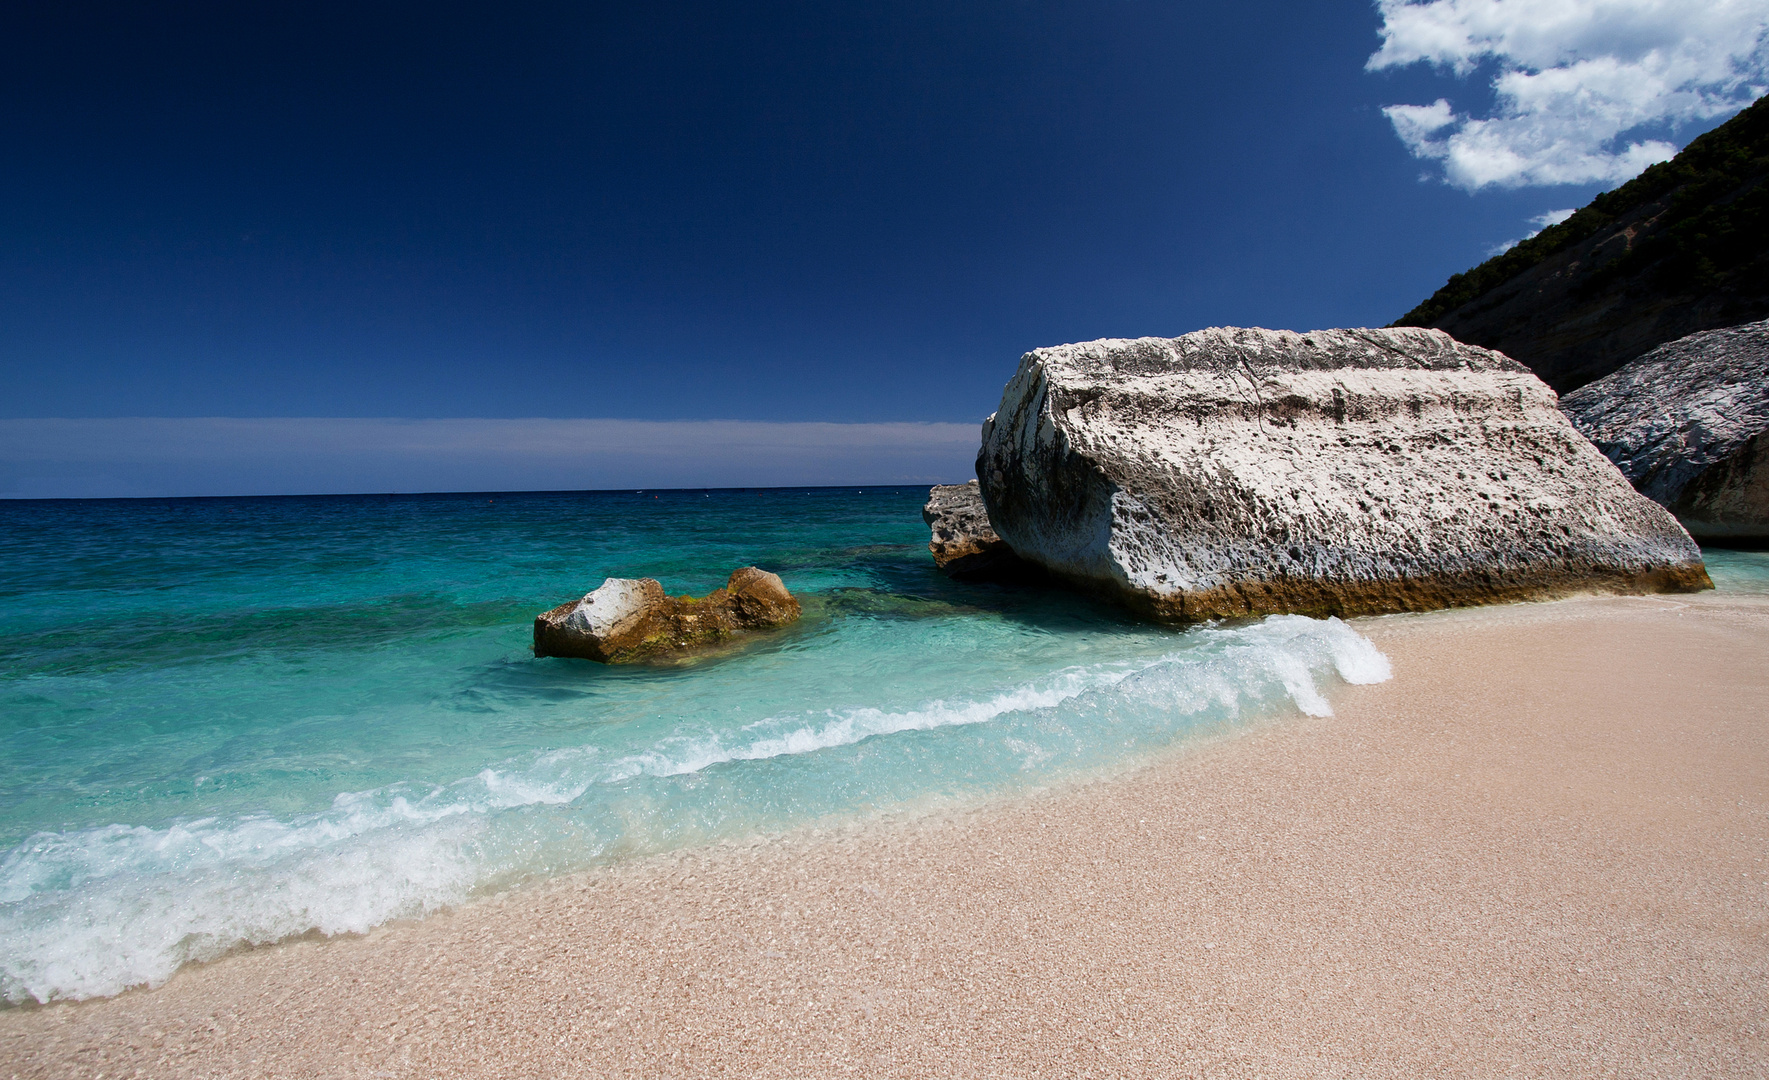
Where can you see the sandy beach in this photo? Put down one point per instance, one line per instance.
(1542, 849)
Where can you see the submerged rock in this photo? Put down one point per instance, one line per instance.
(964, 544)
(1687, 424)
(628, 619)
(1239, 472)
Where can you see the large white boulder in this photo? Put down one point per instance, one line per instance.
(1240, 471)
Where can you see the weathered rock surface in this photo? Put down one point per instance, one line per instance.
(1688, 424)
(1238, 472)
(628, 619)
(964, 543)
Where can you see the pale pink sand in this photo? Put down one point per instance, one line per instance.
(1539, 851)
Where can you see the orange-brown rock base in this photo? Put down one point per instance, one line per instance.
(627, 620)
(1347, 599)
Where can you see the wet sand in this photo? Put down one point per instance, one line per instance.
(1541, 850)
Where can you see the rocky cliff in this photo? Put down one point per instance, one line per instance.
(1688, 424)
(1237, 472)
(1682, 247)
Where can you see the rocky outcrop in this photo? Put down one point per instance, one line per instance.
(628, 619)
(1683, 247)
(1237, 472)
(1688, 424)
(964, 543)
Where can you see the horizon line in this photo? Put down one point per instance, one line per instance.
(808, 488)
(174, 457)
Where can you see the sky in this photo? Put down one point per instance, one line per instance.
(800, 217)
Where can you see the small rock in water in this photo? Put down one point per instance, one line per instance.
(1688, 424)
(629, 619)
(964, 544)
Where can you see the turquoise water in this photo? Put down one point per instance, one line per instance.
(231, 721)
(1738, 571)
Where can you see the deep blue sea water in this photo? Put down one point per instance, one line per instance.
(230, 721)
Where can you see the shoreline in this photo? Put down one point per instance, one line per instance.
(1544, 844)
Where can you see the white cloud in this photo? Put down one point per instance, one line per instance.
(157, 456)
(1575, 77)
(1540, 221)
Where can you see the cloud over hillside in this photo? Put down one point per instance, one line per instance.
(1574, 79)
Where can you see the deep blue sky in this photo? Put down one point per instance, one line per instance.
(767, 211)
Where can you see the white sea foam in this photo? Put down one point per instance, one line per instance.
(92, 912)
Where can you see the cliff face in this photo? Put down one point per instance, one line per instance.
(1688, 424)
(1681, 248)
(1239, 472)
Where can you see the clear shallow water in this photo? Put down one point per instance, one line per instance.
(1738, 571)
(226, 721)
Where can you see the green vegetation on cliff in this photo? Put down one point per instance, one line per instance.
(1712, 235)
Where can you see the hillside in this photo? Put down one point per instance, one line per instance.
(1682, 247)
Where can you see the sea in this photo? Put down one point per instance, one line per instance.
(227, 722)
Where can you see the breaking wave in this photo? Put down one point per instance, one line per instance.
(93, 912)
